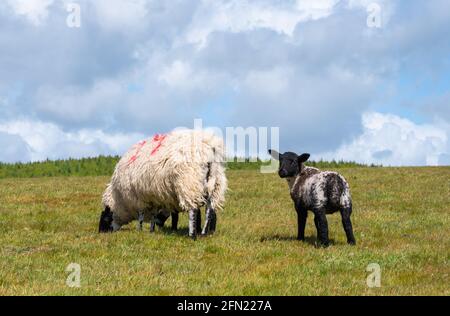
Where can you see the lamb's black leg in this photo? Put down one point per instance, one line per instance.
(302, 215)
(322, 231)
(316, 222)
(346, 222)
(152, 226)
(141, 220)
(174, 221)
(210, 222)
(161, 218)
(193, 215)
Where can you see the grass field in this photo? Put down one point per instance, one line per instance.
(401, 220)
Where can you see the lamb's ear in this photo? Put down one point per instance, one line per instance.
(275, 154)
(303, 158)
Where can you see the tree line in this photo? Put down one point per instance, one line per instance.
(104, 166)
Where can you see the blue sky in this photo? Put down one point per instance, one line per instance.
(334, 86)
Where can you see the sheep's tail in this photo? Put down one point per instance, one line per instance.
(107, 198)
(216, 181)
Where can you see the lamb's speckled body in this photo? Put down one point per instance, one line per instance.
(314, 189)
(322, 192)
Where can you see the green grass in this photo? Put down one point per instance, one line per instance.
(401, 221)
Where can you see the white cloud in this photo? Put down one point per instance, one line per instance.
(181, 77)
(271, 83)
(387, 8)
(316, 8)
(112, 15)
(391, 140)
(78, 105)
(26, 140)
(242, 15)
(139, 66)
(120, 15)
(386, 139)
(36, 11)
(13, 148)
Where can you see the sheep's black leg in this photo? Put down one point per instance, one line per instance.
(174, 221)
(302, 215)
(193, 215)
(346, 222)
(210, 222)
(322, 232)
(198, 223)
(213, 221)
(207, 222)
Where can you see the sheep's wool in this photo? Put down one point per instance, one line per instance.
(177, 171)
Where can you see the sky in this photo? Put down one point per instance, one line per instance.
(337, 86)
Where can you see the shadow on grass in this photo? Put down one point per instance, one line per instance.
(166, 230)
(312, 240)
(184, 232)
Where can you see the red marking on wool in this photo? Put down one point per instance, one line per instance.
(138, 150)
(159, 140)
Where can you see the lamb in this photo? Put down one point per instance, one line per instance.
(322, 192)
(154, 216)
(181, 171)
(158, 219)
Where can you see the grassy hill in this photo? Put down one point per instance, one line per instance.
(401, 219)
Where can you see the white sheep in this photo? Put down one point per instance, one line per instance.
(180, 171)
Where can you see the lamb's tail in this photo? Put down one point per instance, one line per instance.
(346, 197)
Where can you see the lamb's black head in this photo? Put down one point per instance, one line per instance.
(291, 164)
(106, 220)
(161, 218)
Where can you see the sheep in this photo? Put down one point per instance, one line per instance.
(180, 171)
(322, 192)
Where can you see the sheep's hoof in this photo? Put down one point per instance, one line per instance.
(352, 242)
(207, 233)
(194, 237)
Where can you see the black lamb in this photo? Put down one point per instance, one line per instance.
(322, 192)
